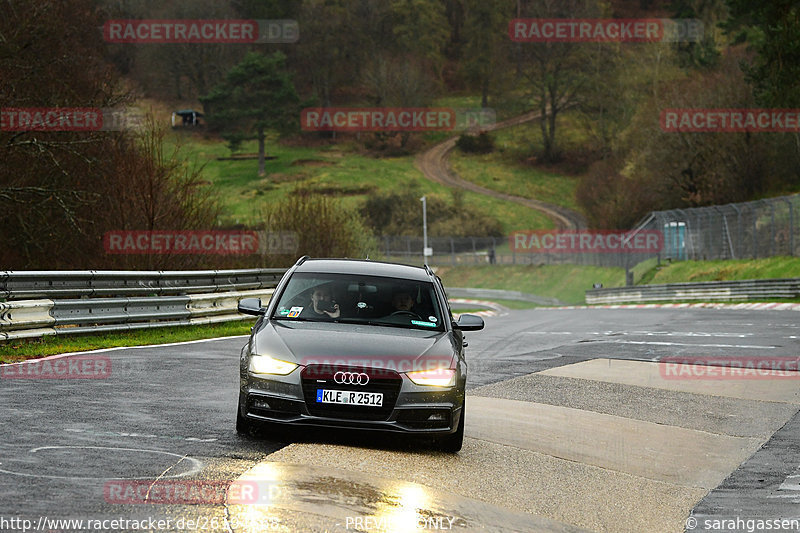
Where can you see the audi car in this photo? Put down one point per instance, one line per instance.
(356, 344)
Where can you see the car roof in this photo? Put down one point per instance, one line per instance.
(362, 267)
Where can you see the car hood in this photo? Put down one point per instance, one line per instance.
(356, 345)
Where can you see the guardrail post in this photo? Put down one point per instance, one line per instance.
(453, 251)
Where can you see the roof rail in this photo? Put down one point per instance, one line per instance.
(301, 260)
(428, 270)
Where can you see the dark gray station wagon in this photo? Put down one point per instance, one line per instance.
(356, 344)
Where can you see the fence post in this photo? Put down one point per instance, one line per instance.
(474, 252)
(738, 226)
(772, 230)
(791, 227)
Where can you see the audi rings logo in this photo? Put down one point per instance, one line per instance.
(351, 378)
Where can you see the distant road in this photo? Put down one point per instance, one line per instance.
(433, 164)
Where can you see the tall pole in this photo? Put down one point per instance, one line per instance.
(424, 231)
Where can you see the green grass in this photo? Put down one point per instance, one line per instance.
(335, 170)
(734, 269)
(507, 169)
(12, 351)
(568, 283)
(495, 171)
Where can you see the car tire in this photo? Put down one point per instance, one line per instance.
(243, 425)
(453, 442)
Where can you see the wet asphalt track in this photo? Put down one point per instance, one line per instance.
(585, 443)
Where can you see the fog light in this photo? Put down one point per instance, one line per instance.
(261, 404)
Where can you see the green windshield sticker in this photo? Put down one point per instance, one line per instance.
(423, 323)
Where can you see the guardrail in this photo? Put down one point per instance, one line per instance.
(488, 294)
(36, 318)
(40, 303)
(18, 285)
(706, 290)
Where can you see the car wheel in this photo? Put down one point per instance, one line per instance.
(453, 442)
(243, 425)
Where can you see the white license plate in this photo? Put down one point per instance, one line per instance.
(373, 399)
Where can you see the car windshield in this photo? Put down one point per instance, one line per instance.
(349, 298)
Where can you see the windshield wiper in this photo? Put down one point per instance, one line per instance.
(385, 324)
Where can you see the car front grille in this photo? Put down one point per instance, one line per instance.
(387, 382)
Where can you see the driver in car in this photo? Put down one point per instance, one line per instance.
(403, 301)
(322, 305)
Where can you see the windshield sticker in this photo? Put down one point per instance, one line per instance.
(361, 305)
(423, 323)
(432, 318)
(283, 311)
(295, 312)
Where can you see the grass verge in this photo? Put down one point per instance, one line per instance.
(733, 269)
(568, 283)
(13, 351)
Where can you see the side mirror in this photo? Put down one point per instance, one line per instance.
(251, 306)
(469, 323)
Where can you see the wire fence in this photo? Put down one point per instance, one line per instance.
(763, 228)
(455, 251)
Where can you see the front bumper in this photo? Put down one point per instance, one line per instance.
(408, 408)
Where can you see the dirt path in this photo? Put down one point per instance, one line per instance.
(433, 164)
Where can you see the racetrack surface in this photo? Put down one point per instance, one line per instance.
(572, 425)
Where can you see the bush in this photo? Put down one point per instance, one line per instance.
(323, 226)
(401, 214)
(475, 144)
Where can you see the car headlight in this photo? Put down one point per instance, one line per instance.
(264, 364)
(438, 377)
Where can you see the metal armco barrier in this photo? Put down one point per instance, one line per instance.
(37, 318)
(58, 302)
(18, 285)
(707, 290)
(489, 294)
